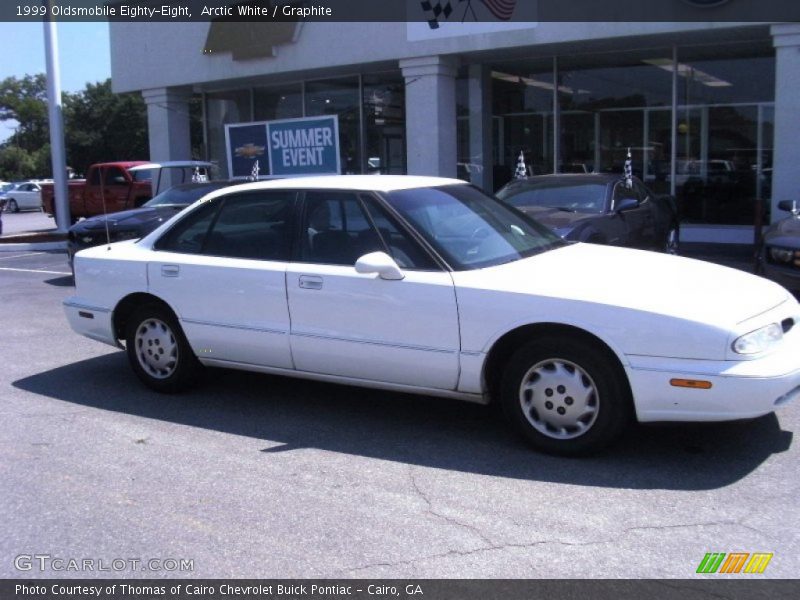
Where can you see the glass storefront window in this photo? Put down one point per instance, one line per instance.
(522, 101)
(384, 123)
(278, 102)
(604, 101)
(724, 101)
(223, 108)
(339, 97)
(609, 102)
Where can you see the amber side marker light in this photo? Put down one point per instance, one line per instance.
(695, 384)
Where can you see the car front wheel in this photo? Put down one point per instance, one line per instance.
(672, 243)
(158, 351)
(565, 396)
(13, 206)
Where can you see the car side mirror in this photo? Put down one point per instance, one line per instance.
(380, 263)
(627, 204)
(789, 206)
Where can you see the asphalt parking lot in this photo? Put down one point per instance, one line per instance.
(258, 476)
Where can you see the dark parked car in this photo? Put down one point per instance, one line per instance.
(780, 249)
(598, 208)
(137, 222)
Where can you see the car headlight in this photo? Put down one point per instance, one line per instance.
(782, 255)
(758, 340)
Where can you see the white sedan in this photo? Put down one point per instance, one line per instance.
(26, 195)
(427, 285)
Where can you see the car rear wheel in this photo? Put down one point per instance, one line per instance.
(565, 396)
(158, 351)
(13, 206)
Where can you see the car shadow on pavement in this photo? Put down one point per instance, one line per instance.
(292, 414)
(65, 281)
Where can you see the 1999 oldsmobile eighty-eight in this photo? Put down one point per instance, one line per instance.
(427, 285)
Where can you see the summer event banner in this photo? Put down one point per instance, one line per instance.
(284, 148)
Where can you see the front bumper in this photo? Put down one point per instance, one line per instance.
(741, 389)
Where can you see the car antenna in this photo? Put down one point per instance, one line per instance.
(103, 200)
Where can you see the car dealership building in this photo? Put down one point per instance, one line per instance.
(708, 110)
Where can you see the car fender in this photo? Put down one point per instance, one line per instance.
(557, 321)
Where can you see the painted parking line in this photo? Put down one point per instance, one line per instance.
(21, 255)
(35, 271)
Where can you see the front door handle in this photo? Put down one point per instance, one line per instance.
(170, 270)
(310, 282)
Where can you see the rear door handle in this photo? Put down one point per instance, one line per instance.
(310, 282)
(170, 270)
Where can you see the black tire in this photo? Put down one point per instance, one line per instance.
(12, 206)
(577, 401)
(158, 351)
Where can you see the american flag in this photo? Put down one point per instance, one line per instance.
(198, 177)
(628, 171)
(522, 171)
(502, 9)
(254, 173)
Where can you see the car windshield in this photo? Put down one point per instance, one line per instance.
(183, 195)
(469, 229)
(566, 195)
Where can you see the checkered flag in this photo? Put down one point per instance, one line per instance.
(438, 10)
(254, 173)
(522, 171)
(198, 177)
(628, 171)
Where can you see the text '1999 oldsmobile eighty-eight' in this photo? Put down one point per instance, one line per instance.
(429, 286)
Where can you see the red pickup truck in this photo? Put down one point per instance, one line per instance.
(121, 188)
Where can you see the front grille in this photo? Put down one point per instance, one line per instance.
(787, 324)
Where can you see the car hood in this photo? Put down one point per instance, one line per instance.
(555, 218)
(137, 218)
(647, 282)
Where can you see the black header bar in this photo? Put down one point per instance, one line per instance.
(433, 12)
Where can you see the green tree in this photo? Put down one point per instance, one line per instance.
(25, 101)
(104, 126)
(98, 126)
(16, 163)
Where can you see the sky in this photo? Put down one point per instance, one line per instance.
(83, 55)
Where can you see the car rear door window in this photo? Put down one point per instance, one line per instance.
(254, 225)
(189, 234)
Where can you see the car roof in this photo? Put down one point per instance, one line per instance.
(367, 183)
(214, 183)
(123, 164)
